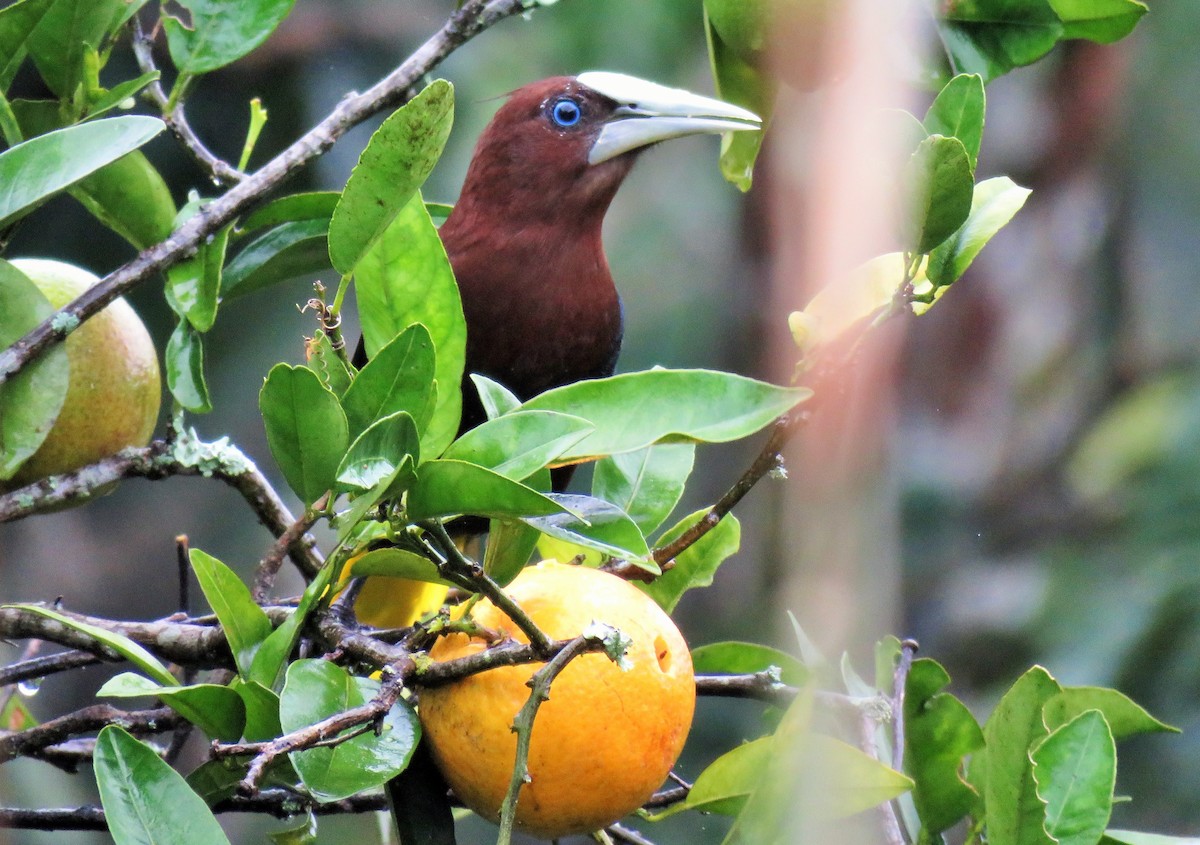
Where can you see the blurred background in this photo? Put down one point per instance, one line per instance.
(1019, 481)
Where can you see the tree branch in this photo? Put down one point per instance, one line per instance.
(30, 742)
(472, 18)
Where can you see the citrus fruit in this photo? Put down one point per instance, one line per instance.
(605, 739)
(114, 388)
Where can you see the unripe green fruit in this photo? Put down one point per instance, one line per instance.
(114, 389)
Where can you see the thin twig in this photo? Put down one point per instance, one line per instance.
(539, 686)
(220, 171)
(472, 18)
(762, 686)
(627, 835)
(50, 664)
(295, 535)
(87, 720)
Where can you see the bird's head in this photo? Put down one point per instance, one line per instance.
(563, 145)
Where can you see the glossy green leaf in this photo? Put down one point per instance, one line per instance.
(646, 484)
(69, 30)
(510, 545)
(289, 250)
(741, 83)
(991, 37)
(214, 709)
(219, 34)
(1014, 812)
(16, 23)
(119, 643)
(243, 621)
(938, 186)
(993, 204)
(262, 710)
(397, 160)
(306, 429)
(449, 488)
(194, 284)
(518, 444)
(378, 452)
(634, 410)
(318, 689)
(958, 112)
(120, 94)
(696, 565)
(29, 402)
(184, 366)
(596, 524)
(293, 208)
(330, 367)
(398, 377)
(727, 782)
(1102, 21)
(939, 733)
(130, 197)
(37, 169)
(271, 659)
(392, 562)
(735, 658)
(1125, 718)
(439, 212)
(495, 397)
(1075, 768)
(146, 802)
(405, 278)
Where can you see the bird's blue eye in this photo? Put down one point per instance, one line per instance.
(566, 113)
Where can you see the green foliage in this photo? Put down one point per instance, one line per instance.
(696, 565)
(215, 37)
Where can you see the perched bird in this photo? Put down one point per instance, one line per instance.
(524, 238)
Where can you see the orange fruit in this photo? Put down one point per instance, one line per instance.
(114, 388)
(605, 739)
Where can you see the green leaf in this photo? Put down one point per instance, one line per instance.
(397, 160)
(735, 658)
(518, 444)
(1075, 768)
(66, 35)
(29, 402)
(1102, 21)
(184, 365)
(646, 484)
(119, 643)
(243, 621)
(727, 782)
(37, 169)
(1015, 814)
(495, 397)
(851, 781)
(696, 565)
(398, 377)
(991, 37)
(330, 367)
(105, 101)
(378, 452)
(194, 284)
(938, 187)
(392, 562)
(306, 429)
(1124, 717)
(741, 83)
(317, 689)
(958, 112)
(130, 197)
(450, 488)
(993, 204)
(289, 250)
(16, 23)
(146, 801)
(219, 33)
(271, 658)
(406, 278)
(510, 545)
(634, 410)
(216, 710)
(262, 710)
(596, 524)
(939, 732)
(293, 208)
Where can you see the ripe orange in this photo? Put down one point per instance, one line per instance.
(606, 738)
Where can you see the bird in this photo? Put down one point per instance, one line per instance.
(524, 239)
